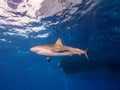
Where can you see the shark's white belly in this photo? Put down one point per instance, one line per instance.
(62, 54)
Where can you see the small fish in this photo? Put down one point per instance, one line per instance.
(57, 49)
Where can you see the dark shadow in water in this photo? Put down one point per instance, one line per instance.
(83, 69)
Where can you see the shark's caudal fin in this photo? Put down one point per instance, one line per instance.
(86, 53)
(59, 42)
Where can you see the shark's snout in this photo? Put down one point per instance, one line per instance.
(34, 49)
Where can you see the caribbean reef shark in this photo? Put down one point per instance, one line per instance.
(57, 49)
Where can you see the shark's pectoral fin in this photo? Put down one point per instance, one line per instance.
(48, 59)
(61, 51)
(57, 48)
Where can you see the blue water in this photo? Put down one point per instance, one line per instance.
(97, 30)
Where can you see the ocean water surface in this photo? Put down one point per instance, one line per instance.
(92, 24)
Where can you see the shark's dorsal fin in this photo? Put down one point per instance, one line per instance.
(59, 42)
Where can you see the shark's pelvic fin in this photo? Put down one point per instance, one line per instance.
(59, 42)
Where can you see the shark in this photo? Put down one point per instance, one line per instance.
(57, 49)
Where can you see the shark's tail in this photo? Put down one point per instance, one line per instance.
(86, 53)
